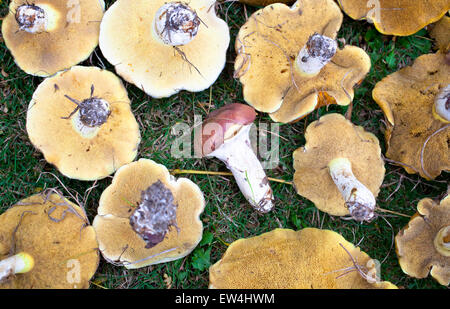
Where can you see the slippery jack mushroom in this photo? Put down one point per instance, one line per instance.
(285, 259)
(289, 62)
(225, 135)
(147, 217)
(423, 246)
(46, 242)
(418, 120)
(340, 168)
(165, 47)
(81, 120)
(45, 37)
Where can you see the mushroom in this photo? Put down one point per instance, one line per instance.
(46, 242)
(81, 120)
(423, 246)
(264, 2)
(285, 259)
(147, 217)
(288, 60)
(415, 102)
(400, 17)
(441, 33)
(49, 36)
(340, 168)
(225, 135)
(165, 47)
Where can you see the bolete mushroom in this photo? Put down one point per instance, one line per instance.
(46, 36)
(400, 17)
(415, 101)
(164, 47)
(81, 120)
(423, 246)
(46, 242)
(288, 60)
(225, 135)
(340, 168)
(285, 259)
(441, 33)
(147, 217)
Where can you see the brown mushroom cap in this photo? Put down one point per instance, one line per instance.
(400, 17)
(407, 100)
(416, 250)
(285, 259)
(66, 44)
(127, 41)
(227, 118)
(75, 154)
(330, 137)
(55, 232)
(267, 46)
(441, 33)
(119, 243)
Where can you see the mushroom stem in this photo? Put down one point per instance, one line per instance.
(237, 153)
(17, 264)
(442, 241)
(442, 104)
(358, 198)
(317, 52)
(176, 23)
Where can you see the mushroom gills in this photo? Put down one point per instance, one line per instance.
(318, 51)
(17, 264)
(359, 200)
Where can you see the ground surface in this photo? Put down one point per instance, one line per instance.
(227, 217)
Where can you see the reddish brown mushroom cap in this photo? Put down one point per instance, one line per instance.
(221, 124)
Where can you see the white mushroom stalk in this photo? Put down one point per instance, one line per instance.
(358, 198)
(17, 264)
(176, 23)
(318, 51)
(442, 241)
(237, 153)
(442, 104)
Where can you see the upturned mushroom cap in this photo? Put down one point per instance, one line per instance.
(119, 243)
(222, 124)
(285, 259)
(75, 149)
(129, 42)
(418, 250)
(57, 234)
(330, 137)
(267, 46)
(407, 100)
(400, 17)
(441, 33)
(72, 35)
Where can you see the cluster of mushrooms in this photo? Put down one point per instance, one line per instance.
(80, 119)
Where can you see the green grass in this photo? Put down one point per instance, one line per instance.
(227, 215)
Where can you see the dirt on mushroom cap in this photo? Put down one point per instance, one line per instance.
(55, 246)
(415, 242)
(399, 17)
(76, 156)
(411, 123)
(285, 259)
(330, 137)
(119, 243)
(72, 41)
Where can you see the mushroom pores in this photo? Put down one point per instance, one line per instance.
(147, 217)
(81, 120)
(46, 37)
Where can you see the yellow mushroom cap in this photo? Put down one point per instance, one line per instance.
(128, 41)
(415, 244)
(285, 259)
(330, 137)
(57, 235)
(119, 243)
(441, 33)
(407, 100)
(400, 17)
(73, 35)
(267, 46)
(77, 154)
